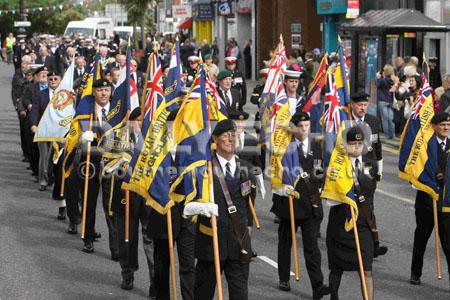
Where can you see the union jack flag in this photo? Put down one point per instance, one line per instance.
(331, 116)
(425, 91)
(154, 88)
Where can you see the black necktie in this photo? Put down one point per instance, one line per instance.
(300, 149)
(227, 99)
(357, 166)
(228, 176)
(80, 73)
(443, 146)
(103, 116)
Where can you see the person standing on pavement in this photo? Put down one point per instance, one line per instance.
(308, 211)
(40, 103)
(387, 84)
(232, 187)
(10, 42)
(424, 207)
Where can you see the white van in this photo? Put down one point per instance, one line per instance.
(124, 32)
(100, 28)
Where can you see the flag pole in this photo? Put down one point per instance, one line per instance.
(436, 241)
(127, 216)
(252, 210)
(61, 193)
(294, 238)
(214, 237)
(171, 254)
(86, 181)
(358, 252)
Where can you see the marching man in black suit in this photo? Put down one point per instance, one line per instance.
(359, 104)
(232, 188)
(424, 204)
(308, 212)
(229, 96)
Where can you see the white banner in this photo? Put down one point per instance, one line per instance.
(181, 11)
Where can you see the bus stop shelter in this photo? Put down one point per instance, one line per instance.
(379, 24)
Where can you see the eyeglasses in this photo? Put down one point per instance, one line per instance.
(52, 78)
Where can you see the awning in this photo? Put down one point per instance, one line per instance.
(394, 21)
(186, 24)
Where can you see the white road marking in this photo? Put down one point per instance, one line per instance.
(271, 262)
(406, 200)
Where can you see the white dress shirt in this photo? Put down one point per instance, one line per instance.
(50, 93)
(98, 110)
(228, 93)
(439, 140)
(358, 120)
(223, 164)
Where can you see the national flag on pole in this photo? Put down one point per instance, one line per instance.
(149, 171)
(334, 114)
(192, 134)
(276, 71)
(284, 160)
(57, 117)
(216, 106)
(342, 78)
(418, 152)
(80, 122)
(174, 84)
(339, 183)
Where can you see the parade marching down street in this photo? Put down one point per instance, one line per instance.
(285, 188)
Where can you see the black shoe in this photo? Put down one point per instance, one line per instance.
(25, 159)
(152, 292)
(127, 283)
(51, 180)
(42, 188)
(284, 286)
(97, 236)
(276, 220)
(414, 280)
(62, 213)
(88, 247)
(115, 256)
(72, 229)
(29, 168)
(379, 251)
(254, 254)
(321, 291)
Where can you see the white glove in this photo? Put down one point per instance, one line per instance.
(118, 164)
(289, 190)
(260, 184)
(197, 208)
(87, 136)
(380, 169)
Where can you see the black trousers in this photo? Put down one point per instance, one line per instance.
(235, 273)
(23, 139)
(110, 192)
(185, 242)
(72, 193)
(310, 228)
(424, 228)
(128, 252)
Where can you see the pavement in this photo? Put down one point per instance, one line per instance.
(39, 260)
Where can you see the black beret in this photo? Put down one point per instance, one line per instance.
(238, 115)
(53, 73)
(359, 96)
(224, 126)
(101, 83)
(355, 134)
(440, 117)
(40, 69)
(135, 113)
(299, 117)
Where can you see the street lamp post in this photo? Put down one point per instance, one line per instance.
(21, 32)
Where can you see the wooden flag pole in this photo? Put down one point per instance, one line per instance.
(171, 255)
(86, 181)
(358, 252)
(214, 237)
(252, 210)
(61, 193)
(436, 241)
(127, 216)
(294, 238)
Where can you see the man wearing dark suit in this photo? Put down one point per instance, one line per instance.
(230, 97)
(138, 77)
(247, 149)
(46, 59)
(231, 208)
(80, 69)
(238, 82)
(424, 206)
(308, 212)
(359, 104)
